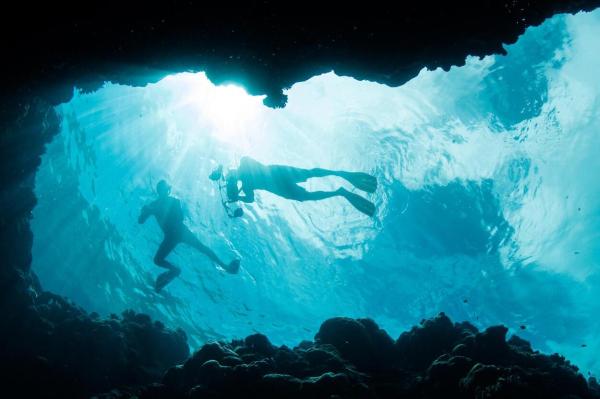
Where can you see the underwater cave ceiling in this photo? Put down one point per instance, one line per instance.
(266, 46)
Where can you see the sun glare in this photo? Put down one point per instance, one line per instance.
(229, 110)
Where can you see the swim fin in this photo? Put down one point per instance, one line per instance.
(362, 181)
(165, 278)
(362, 204)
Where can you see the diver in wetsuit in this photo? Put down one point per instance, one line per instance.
(169, 215)
(283, 180)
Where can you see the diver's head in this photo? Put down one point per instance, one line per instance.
(216, 174)
(231, 186)
(163, 189)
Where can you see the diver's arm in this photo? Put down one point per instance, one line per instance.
(144, 214)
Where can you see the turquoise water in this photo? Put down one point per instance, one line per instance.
(488, 206)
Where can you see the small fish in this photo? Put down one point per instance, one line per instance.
(583, 345)
(523, 327)
(576, 252)
(465, 301)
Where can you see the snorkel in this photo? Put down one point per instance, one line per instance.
(225, 191)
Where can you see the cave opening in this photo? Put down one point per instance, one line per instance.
(482, 210)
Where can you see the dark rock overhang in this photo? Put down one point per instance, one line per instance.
(266, 46)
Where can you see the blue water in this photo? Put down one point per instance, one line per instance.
(488, 206)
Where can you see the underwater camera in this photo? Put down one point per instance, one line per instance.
(218, 177)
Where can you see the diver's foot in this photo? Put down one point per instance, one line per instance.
(165, 278)
(233, 267)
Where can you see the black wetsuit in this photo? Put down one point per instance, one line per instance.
(281, 180)
(169, 215)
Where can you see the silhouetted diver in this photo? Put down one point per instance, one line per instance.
(169, 215)
(283, 181)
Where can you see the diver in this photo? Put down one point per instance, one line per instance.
(169, 215)
(283, 181)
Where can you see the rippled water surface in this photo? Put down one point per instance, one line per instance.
(488, 206)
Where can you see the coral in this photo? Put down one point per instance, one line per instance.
(52, 347)
(354, 358)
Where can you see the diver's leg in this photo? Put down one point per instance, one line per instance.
(290, 174)
(191, 239)
(164, 250)
(320, 172)
(165, 278)
(299, 175)
(295, 192)
(360, 180)
(361, 204)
